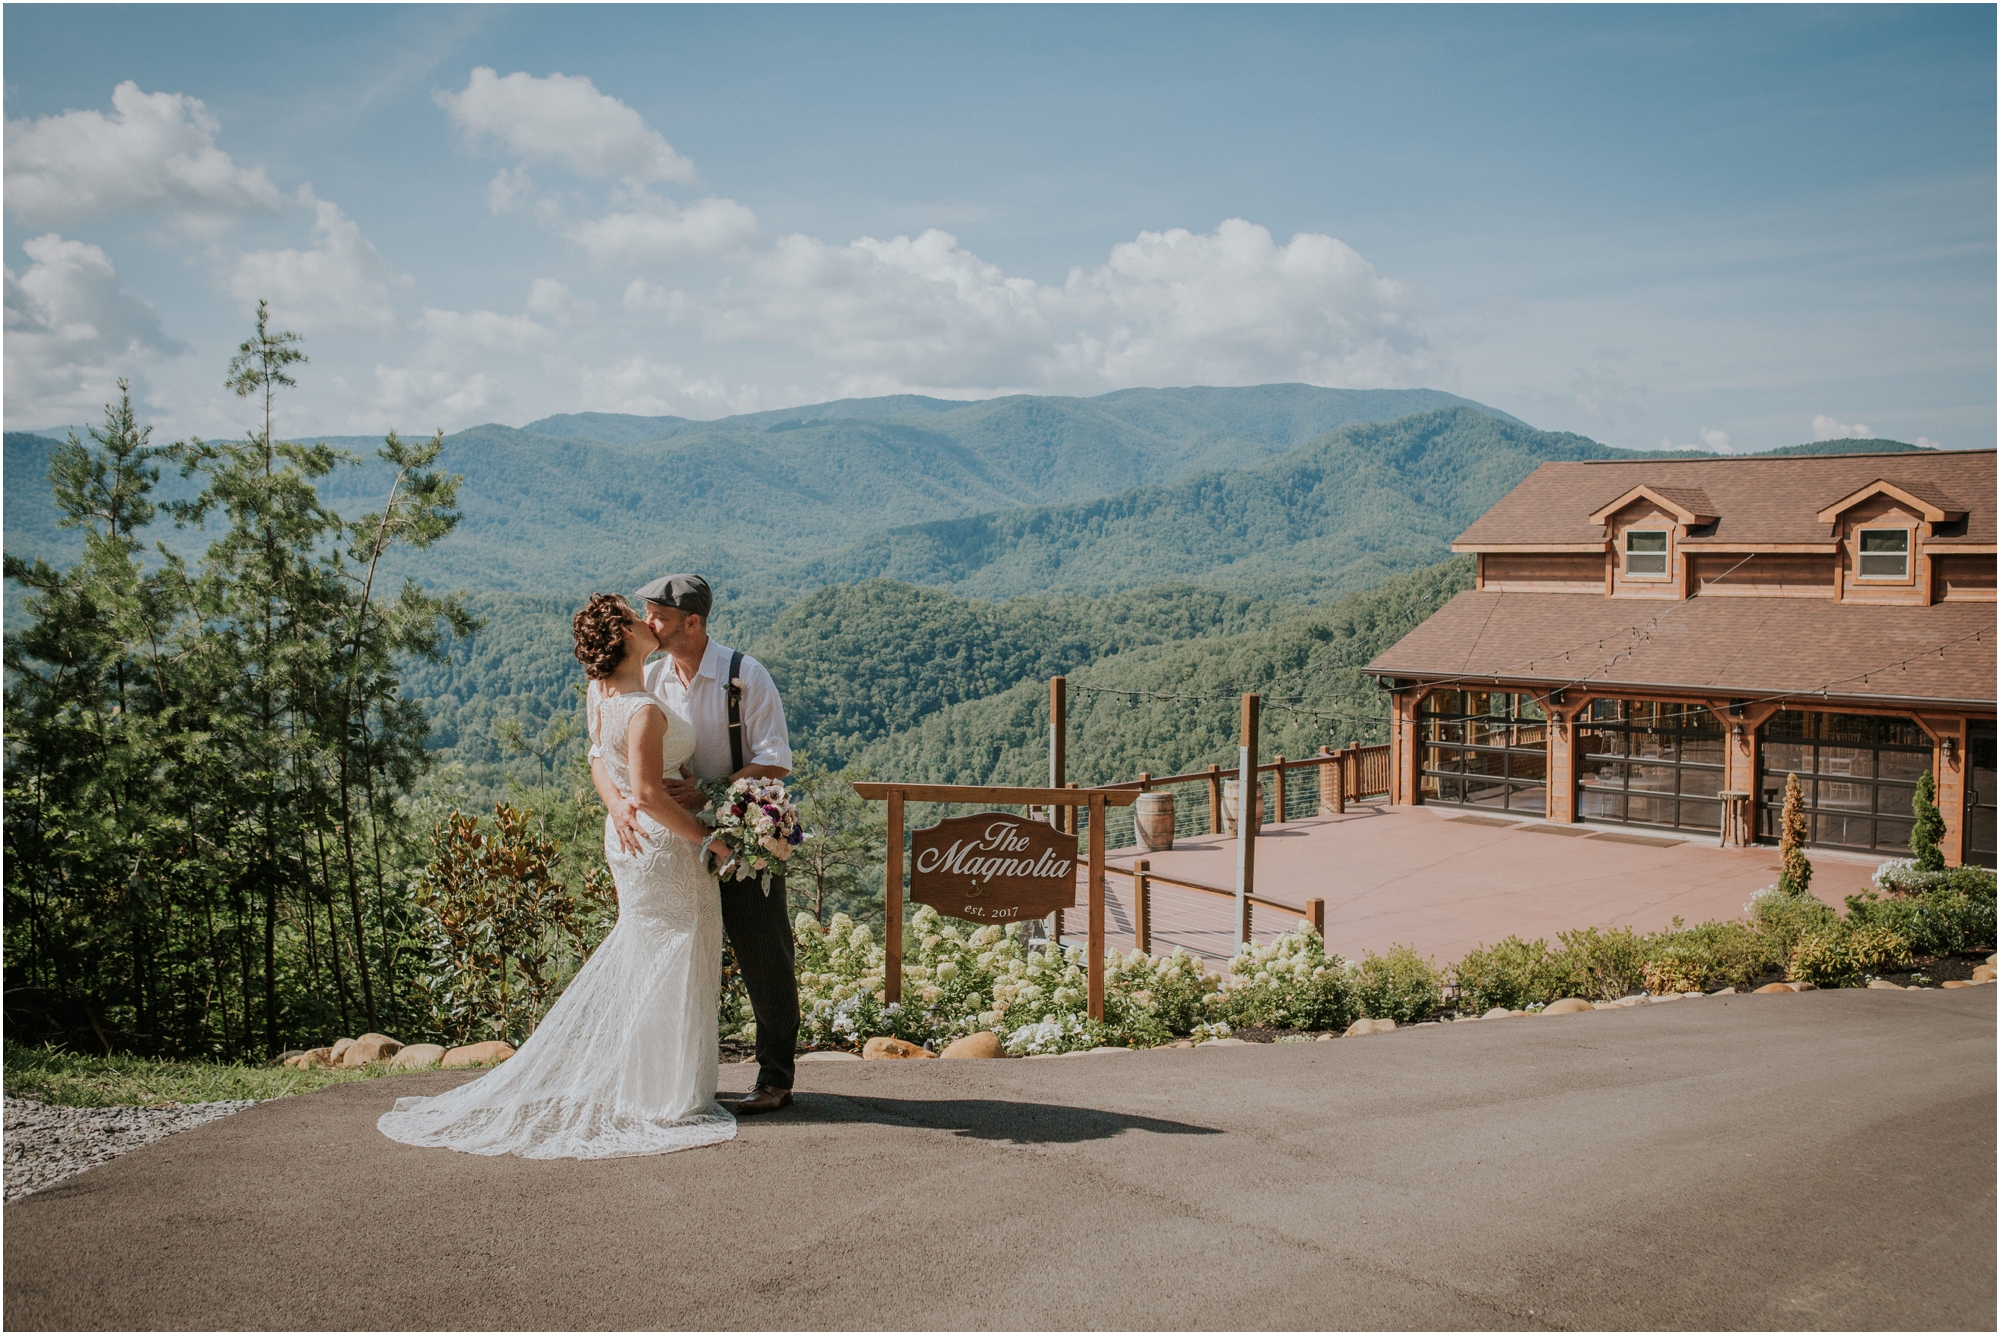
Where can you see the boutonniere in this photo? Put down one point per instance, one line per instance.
(735, 690)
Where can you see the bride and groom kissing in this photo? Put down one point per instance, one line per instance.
(625, 1062)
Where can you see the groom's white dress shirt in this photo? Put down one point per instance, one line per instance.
(704, 702)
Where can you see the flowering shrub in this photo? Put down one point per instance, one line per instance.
(959, 979)
(1289, 983)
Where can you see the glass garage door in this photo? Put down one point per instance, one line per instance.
(1979, 783)
(1858, 772)
(1640, 762)
(1484, 749)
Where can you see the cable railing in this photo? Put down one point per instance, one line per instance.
(1289, 790)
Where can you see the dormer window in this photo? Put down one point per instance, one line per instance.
(1885, 553)
(1646, 553)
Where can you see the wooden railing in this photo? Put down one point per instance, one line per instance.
(1349, 774)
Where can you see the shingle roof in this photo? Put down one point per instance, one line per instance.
(1755, 500)
(1726, 645)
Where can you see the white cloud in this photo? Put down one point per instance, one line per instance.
(564, 119)
(1715, 440)
(1926, 443)
(1234, 307)
(1829, 428)
(70, 333)
(553, 300)
(460, 332)
(660, 231)
(644, 298)
(509, 189)
(154, 150)
(1600, 393)
(1228, 307)
(655, 389)
(340, 284)
(416, 398)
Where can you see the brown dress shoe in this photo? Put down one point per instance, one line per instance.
(763, 1099)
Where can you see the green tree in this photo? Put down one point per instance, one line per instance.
(839, 863)
(1928, 833)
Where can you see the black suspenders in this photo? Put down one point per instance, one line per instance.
(734, 693)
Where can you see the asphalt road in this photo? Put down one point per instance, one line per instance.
(1821, 1160)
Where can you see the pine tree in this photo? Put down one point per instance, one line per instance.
(1793, 833)
(1928, 832)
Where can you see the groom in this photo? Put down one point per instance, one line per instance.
(739, 728)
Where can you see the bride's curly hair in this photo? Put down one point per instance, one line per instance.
(600, 634)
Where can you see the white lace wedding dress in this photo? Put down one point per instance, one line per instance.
(625, 1062)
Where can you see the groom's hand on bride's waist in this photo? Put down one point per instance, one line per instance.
(686, 792)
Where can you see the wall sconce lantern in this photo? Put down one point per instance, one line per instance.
(1736, 730)
(1951, 750)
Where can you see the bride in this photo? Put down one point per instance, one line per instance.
(625, 1062)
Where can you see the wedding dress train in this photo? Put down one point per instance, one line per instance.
(625, 1061)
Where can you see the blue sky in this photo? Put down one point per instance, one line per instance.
(1725, 227)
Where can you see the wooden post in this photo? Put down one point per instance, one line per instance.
(1316, 911)
(1215, 799)
(1278, 799)
(1097, 906)
(1074, 815)
(1145, 781)
(1332, 792)
(1246, 819)
(1058, 765)
(892, 905)
(1058, 739)
(1142, 906)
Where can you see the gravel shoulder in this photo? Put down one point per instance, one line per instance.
(46, 1143)
(1817, 1160)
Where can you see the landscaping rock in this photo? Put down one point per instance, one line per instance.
(1957, 982)
(1805, 987)
(892, 1049)
(1224, 1043)
(1567, 1006)
(1324, 1038)
(1181, 1043)
(477, 1054)
(1775, 987)
(1985, 973)
(340, 1047)
(986, 1043)
(417, 1057)
(828, 1057)
(286, 1058)
(1107, 1048)
(1364, 1027)
(1884, 985)
(1723, 992)
(1497, 1013)
(370, 1048)
(311, 1058)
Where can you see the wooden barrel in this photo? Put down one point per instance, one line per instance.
(1153, 821)
(1229, 787)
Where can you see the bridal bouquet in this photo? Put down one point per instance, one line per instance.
(756, 818)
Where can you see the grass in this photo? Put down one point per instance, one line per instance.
(80, 1081)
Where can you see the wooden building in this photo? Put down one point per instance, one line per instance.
(1661, 642)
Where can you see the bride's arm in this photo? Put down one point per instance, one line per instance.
(647, 739)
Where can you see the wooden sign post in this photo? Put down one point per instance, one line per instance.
(992, 867)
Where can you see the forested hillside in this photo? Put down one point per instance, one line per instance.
(1333, 516)
(1307, 664)
(755, 496)
(854, 662)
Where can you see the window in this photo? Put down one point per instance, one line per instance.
(1646, 553)
(1885, 553)
(1858, 775)
(1646, 763)
(1484, 749)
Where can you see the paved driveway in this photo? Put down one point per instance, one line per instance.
(1821, 1160)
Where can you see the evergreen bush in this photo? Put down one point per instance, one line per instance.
(1928, 832)
(1402, 986)
(1796, 877)
(1514, 974)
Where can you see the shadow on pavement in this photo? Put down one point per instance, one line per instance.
(982, 1119)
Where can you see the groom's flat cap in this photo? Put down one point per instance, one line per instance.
(689, 593)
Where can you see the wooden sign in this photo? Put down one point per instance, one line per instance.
(993, 867)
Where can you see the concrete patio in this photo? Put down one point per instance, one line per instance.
(1446, 879)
